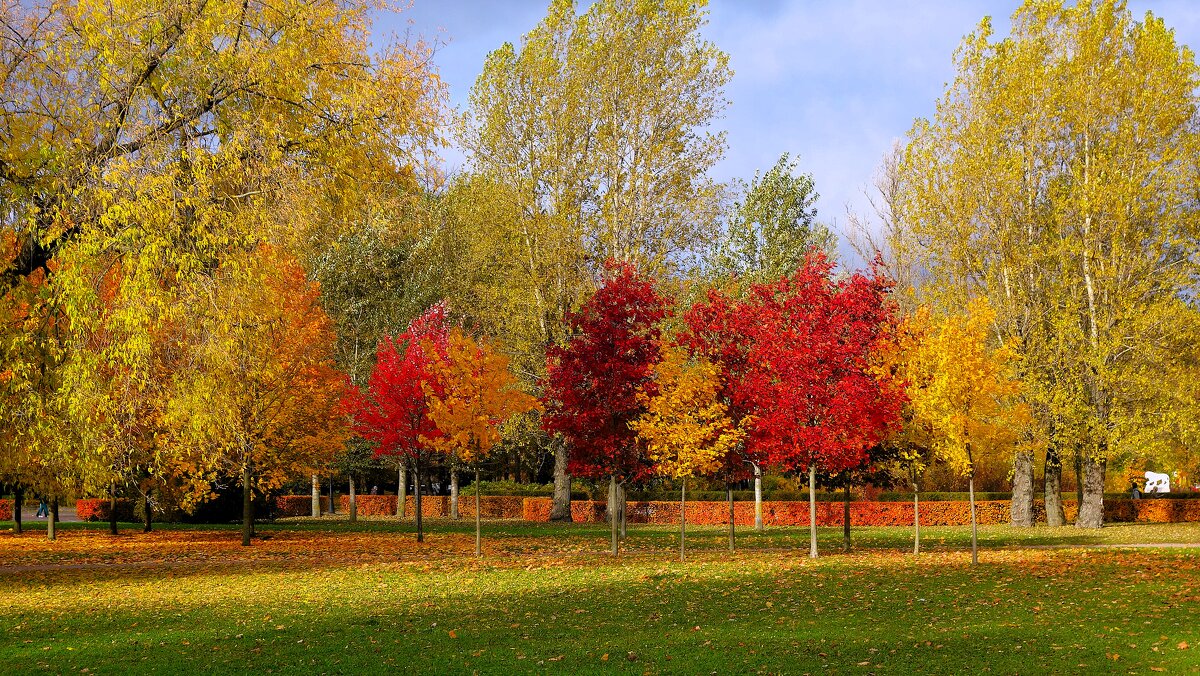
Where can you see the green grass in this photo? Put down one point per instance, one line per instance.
(334, 597)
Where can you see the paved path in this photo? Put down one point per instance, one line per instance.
(65, 514)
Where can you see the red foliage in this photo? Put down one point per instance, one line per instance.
(795, 355)
(96, 509)
(393, 411)
(592, 383)
(6, 510)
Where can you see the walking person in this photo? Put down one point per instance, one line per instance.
(43, 508)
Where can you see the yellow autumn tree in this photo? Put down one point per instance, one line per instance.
(472, 394)
(686, 427)
(260, 402)
(899, 358)
(967, 394)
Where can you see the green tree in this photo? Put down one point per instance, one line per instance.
(772, 227)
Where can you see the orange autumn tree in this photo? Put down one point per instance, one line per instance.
(477, 396)
(261, 400)
(686, 427)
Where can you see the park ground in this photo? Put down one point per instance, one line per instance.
(324, 596)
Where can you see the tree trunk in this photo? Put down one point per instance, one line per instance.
(112, 513)
(247, 513)
(812, 510)
(1020, 510)
(402, 489)
(454, 493)
(846, 517)
(18, 505)
(52, 521)
(353, 501)
(612, 512)
(148, 513)
(1078, 477)
(682, 517)
(1052, 478)
(478, 533)
(916, 520)
(417, 498)
(758, 509)
(560, 509)
(621, 508)
(332, 504)
(974, 525)
(1091, 508)
(729, 494)
(316, 496)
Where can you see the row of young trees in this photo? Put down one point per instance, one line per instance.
(209, 211)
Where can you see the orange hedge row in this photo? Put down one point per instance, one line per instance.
(939, 513)
(492, 506)
(96, 509)
(297, 505)
(6, 510)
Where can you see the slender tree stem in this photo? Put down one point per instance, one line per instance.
(812, 510)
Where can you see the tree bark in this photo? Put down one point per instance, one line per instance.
(478, 532)
(1078, 478)
(974, 525)
(402, 489)
(247, 513)
(621, 508)
(846, 517)
(148, 513)
(112, 513)
(729, 494)
(812, 510)
(52, 521)
(417, 498)
(1020, 511)
(353, 501)
(1091, 508)
(316, 496)
(916, 520)
(560, 508)
(758, 507)
(1052, 479)
(454, 493)
(18, 505)
(612, 512)
(682, 517)
(332, 504)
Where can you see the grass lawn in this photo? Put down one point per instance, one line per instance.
(331, 597)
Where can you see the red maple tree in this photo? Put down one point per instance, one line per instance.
(393, 411)
(795, 355)
(592, 382)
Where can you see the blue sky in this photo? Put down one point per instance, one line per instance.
(835, 82)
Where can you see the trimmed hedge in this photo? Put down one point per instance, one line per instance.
(789, 513)
(298, 505)
(96, 509)
(493, 506)
(6, 510)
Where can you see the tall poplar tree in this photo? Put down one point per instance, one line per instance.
(1057, 178)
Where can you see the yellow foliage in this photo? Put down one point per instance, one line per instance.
(686, 428)
(477, 395)
(962, 391)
